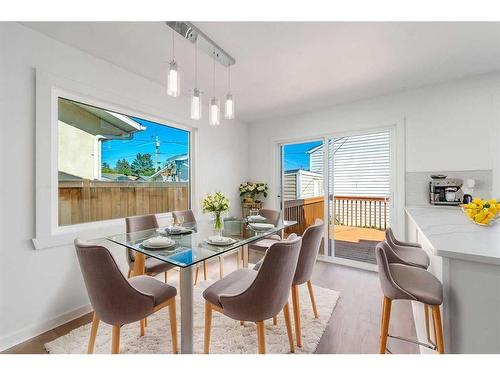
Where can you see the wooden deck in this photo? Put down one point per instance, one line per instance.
(357, 243)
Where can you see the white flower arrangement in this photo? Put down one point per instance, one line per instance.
(253, 190)
(216, 203)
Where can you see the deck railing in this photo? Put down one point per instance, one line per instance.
(82, 201)
(366, 212)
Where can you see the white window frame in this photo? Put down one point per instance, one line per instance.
(49, 88)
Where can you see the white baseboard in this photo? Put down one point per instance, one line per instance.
(33, 330)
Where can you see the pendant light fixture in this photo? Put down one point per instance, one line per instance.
(214, 108)
(229, 104)
(173, 79)
(196, 96)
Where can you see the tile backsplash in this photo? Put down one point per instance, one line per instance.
(417, 184)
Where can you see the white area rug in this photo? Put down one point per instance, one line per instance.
(228, 336)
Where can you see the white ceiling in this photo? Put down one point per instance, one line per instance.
(284, 68)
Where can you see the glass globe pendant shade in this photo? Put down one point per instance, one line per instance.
(196, 105)
(173, 83)
(229, 107)
(214, 112)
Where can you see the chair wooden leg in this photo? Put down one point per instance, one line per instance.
(296, 314)
(261, 337)
(436, 319)
(93, 334)
(143, 326)
(313, 301)
(166, 277)
(275, 320)
(221, 267)
(384, 327)
(427, 326)
(288, 323)
(172, 315)
(115, 340)
(208, 326)
(196, 275)
(204, 270)
(129, 273)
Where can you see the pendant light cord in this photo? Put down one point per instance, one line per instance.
(196, 64)
(173, 45)
(214, 74)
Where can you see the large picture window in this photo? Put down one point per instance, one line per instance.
(112, 165)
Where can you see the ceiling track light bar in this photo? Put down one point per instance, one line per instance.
(195, 35)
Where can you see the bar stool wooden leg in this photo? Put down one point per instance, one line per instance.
(427, 326)
(296, 314)
(143, 326)
(384, 327)
(204, 270)
(261, 337)
(436, 319)
(208, 326)
(115, 340)
(166, 277)
(93, 334)
(288, 322)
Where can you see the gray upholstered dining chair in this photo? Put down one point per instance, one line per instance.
(152, 266)
(187, 217)
(272, 217)
(246, 295)
(311, 242)
(118, 301)
(403, 282)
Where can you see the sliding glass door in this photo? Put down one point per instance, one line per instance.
(358, 194)
(303, 184)
(345, 181)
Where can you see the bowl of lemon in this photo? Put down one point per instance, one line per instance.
(482, 212)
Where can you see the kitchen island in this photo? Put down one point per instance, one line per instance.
(466, 258)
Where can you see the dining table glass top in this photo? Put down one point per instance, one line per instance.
(193, 247)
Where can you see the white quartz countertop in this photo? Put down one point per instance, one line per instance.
(453, 235)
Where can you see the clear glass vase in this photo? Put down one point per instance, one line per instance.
(218, 224)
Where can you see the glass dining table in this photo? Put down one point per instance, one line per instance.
(188, 250)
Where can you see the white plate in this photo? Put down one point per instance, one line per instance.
(177, 230)
(256, 218)
(213, 241)
(261, 226)
(158, 243)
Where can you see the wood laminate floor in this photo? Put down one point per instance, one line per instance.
(353, 327)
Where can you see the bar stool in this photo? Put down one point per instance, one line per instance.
(402, 282)
(411, 254)
(408, 253)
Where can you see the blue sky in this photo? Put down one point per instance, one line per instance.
(295, 156)
(172, 142)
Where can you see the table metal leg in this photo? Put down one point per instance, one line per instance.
(186, 287)
(244, 248)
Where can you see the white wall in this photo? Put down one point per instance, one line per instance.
(40, 289)
(449, 127)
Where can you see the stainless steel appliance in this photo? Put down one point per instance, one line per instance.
(445, 191)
